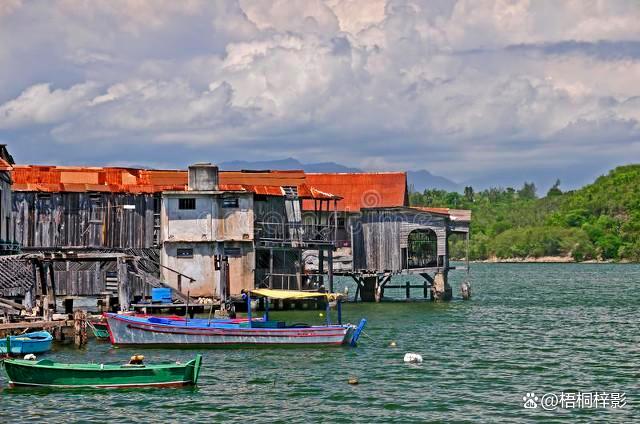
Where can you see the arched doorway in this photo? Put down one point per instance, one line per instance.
(422, 249)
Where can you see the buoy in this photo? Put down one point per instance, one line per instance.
(413, 358)
(465, 289)
(393, 344)
(30, 357)
(321, 314)
(353, 381)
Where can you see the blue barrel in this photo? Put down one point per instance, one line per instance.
(161, 295)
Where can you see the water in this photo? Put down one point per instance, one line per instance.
(529, 328)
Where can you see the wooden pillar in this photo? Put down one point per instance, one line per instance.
(299, 270)
(467, 252)
(407, 288)
(270, 268)
(180, 283)
(123, 285)
(321, 265)
(335, 220)
(80, 328)
(330, 270)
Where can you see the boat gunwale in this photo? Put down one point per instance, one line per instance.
(179, 383)
(95, 367)
(324, 330)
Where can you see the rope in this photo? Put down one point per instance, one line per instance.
(370, 338)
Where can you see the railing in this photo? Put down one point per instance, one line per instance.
(293, 232)
(9, 247)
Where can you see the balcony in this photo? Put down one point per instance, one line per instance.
(9, 247)
(286, 234)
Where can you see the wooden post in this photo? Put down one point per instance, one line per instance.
(180, 283)
(299, 270)
(123, 285)
(467, 252)
(321, 265)
(51, 290)
(407, 287)
(330, 270)
(270, 268)
(80, 328)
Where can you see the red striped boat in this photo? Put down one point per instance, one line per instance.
(136, 330)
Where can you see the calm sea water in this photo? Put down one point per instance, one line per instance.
(540, 328)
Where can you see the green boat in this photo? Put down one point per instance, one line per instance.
(100, 330)
(46, 373)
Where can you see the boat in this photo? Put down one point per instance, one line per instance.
(100, 330)
(46, 373)
(36, 342)
(158, 331)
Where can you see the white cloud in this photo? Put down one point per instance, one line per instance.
(455, 86)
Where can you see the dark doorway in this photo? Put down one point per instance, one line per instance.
(423, 249)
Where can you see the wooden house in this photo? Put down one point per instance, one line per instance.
(7, 242)
(380, 236)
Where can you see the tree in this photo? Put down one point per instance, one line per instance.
(555, 190)
(528, 191)
(468, 193)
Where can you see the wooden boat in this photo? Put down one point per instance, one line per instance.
(46, 373)
(132, 330)
(36, 342)
(100, 330)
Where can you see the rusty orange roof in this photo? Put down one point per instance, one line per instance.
(270, 183)
(5, 166)
(130, 180)
(84, 179)
(361, 190)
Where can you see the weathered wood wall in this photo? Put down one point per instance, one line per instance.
(383, 233)
(83, 220)
(5, 207)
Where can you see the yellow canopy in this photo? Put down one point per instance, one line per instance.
(292, 294)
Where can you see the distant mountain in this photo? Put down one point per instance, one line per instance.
(286, 164)
(419, 180)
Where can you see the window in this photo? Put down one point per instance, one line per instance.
(232, 251)
(187, 203)
(185, 253)
(230, 202)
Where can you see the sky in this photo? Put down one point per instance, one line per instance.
(479, 91)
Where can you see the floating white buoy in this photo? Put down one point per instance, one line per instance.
(353, 381)
(413, 358)
(30, 357)
(393, 344)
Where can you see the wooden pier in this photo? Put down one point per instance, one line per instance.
(62, 329)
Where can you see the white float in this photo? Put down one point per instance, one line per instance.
(413, 358)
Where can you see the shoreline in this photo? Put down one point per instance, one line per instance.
(546, 260)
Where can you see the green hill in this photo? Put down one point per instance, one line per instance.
(599, 221)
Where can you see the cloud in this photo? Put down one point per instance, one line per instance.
(463, 88)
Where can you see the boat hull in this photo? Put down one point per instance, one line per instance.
(50, 374)
(37, 342)
(126, 331)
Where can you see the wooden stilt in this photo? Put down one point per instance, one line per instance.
(330, 270)
(80, 328)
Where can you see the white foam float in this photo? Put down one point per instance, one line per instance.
(413, 358)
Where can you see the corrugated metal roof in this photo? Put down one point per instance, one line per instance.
(84, 179)
(461, 215)
(130, 180)
(5, 166)
(361, 190)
